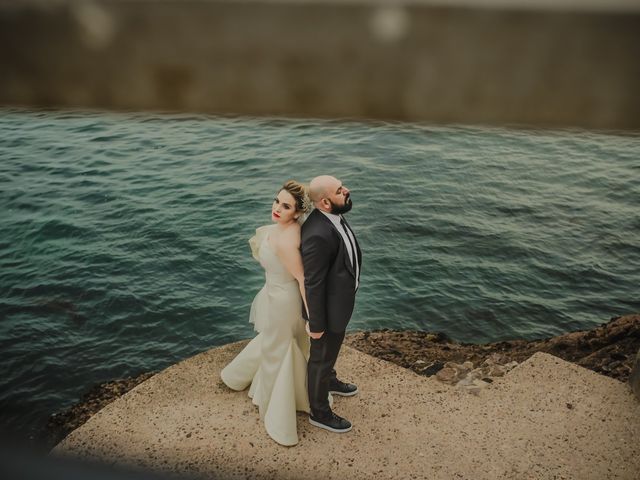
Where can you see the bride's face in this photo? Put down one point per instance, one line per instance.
(283, 209)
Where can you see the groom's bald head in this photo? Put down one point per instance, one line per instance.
(329, 194)
(321, 186)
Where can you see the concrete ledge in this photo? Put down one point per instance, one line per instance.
(634, 378)
(460, 61)
(546, 418)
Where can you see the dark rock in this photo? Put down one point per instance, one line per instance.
(442, 337)
(432, 369)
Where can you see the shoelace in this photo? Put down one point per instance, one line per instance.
(337, 417)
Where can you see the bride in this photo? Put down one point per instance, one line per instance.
(274, 363)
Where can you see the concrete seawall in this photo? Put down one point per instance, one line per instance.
(440, 62)
(546, 418)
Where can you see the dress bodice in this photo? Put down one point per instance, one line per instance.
(262, 251)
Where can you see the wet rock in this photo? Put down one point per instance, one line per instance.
(497, 371)
(509, 366)
(460, 372)
(476, 374)
(432, 369)
(446, 375)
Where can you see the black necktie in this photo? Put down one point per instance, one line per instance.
(353, 247)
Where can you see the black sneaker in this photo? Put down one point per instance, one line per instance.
(344, 389)
(332, 422)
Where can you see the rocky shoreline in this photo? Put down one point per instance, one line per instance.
(609, 349)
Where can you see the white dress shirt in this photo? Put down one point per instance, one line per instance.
(346, 235)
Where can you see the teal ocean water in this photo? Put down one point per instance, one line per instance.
(124, 236)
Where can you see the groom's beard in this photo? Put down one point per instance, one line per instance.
(339, 209)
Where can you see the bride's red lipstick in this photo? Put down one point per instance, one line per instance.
(275, 214)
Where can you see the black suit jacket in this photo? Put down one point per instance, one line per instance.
(329, 277)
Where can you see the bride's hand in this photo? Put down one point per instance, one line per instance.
(313, 335)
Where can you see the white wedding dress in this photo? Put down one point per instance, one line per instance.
(274, 363)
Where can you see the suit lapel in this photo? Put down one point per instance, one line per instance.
(347, 262)
(324, 218)
(345, 253)
(356, 240)
(359, 252)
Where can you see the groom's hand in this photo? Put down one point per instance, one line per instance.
(313, 335)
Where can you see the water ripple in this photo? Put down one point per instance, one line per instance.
(125, 247)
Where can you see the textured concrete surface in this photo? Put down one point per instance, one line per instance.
(634, 378)
(546, 418)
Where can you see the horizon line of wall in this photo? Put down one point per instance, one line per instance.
(437, 62)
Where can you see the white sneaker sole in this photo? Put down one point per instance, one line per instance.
(344, 394)
(326, 427)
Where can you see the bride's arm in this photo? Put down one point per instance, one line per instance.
(288, 250)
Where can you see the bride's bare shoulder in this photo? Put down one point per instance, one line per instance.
(291, 236)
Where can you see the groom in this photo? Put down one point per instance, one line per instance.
(332, 259)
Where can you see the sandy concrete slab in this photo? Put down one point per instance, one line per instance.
(547, 418)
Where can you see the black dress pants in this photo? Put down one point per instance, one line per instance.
(320, 371)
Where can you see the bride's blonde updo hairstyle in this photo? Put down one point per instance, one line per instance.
(301, 195)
